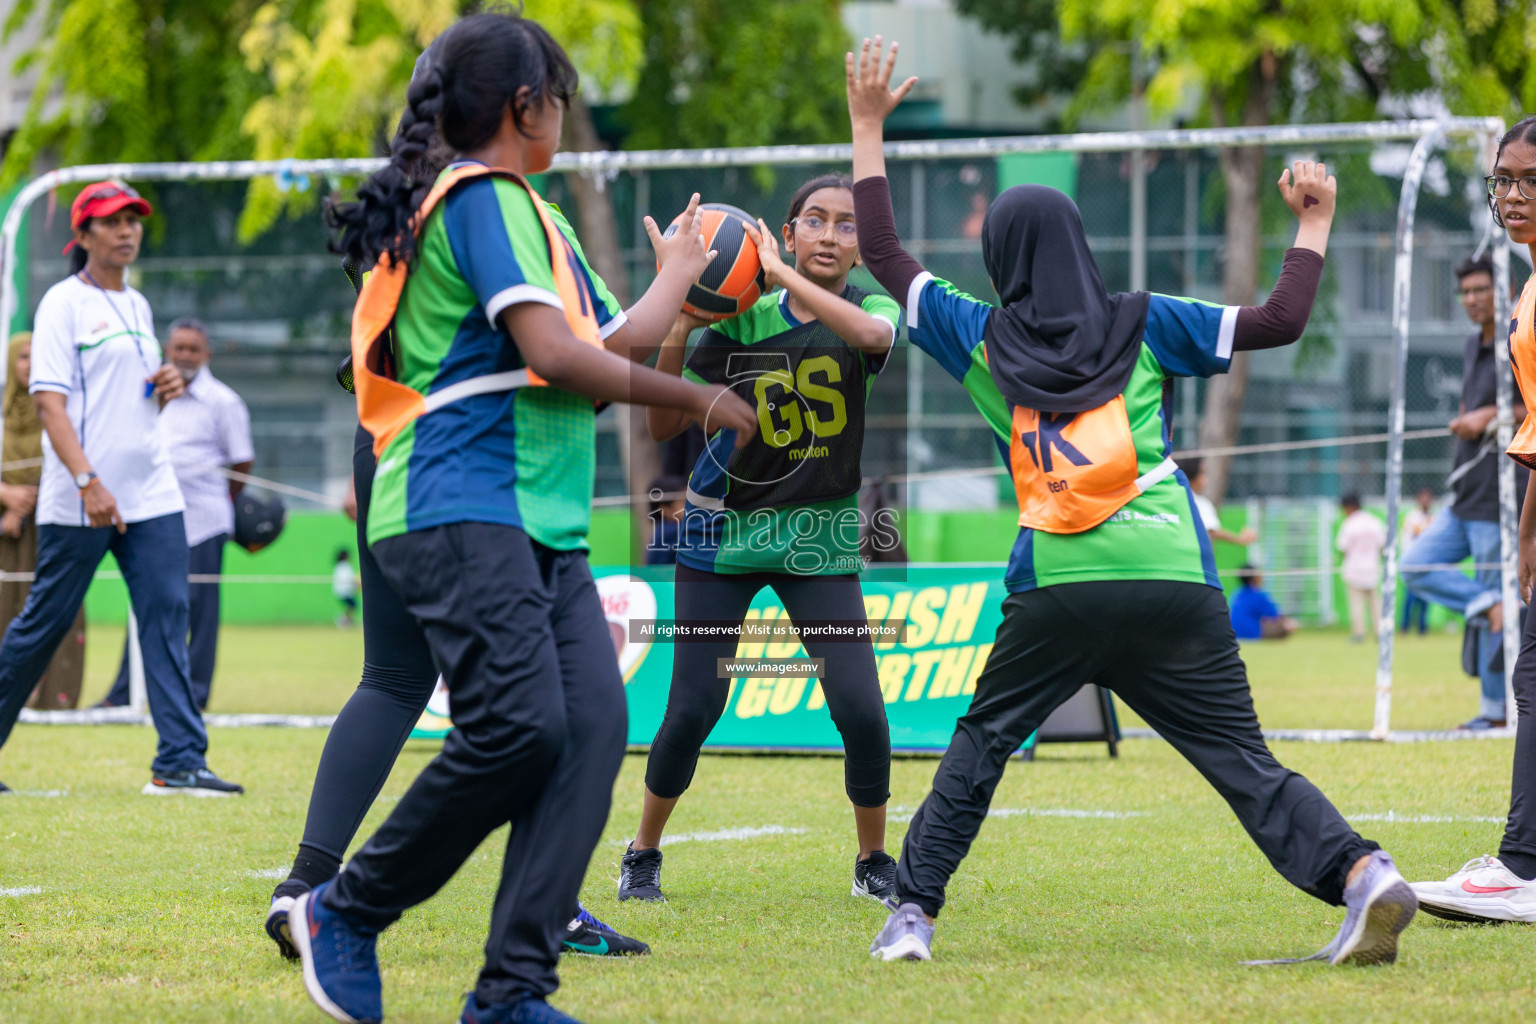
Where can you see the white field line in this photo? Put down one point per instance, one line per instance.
(274, 873)
(898, 815)
(1426, 819)
(725, 835)
(41, 794)
(25, 890)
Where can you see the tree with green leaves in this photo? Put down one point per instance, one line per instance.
(739, 73)
(131, 80)
(1258, 62)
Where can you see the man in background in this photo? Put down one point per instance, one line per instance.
(206, 430)
(1469, 527)
(1194, 469)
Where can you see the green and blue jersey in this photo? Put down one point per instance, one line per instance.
(523, 458)
(1156, 536)
(787, 501)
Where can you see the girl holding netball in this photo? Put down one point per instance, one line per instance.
(480, 505)
(1111, 578)
(398, 675)
(780, 512)
(1503, 888)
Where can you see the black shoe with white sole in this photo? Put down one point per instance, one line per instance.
(586, 934)
(640, 875)
(875, 877)
(196, 782)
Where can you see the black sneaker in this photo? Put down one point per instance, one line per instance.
(196, 782)
(4, 788)
(283, 898)
(876, 877)
(586, 934)
(640, 875)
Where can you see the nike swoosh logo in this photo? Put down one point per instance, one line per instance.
(601, 949)
(1467, 886)
(314, 926)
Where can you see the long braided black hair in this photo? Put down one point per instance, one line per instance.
(473, 71)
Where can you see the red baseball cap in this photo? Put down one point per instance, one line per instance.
(103, 199)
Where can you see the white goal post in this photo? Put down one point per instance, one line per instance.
(1426, 136)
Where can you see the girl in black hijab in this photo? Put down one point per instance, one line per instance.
(1111, 578)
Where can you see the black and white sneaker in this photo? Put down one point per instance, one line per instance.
(283, 898)
(195, 782)
(586, 934)
(4, 788)
(876, 877)
(640, 875)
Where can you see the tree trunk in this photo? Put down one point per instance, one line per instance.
(600, 241)
(1242, 169)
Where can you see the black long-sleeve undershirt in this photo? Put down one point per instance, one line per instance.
(1279, 321)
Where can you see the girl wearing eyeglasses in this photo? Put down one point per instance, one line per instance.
(99, 381)
(1503, 888)
(780, 512)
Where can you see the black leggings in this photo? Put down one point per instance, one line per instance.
(398, 678)
(1518, 850)
(698, 695)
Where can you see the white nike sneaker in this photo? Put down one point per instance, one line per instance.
(1483, 890)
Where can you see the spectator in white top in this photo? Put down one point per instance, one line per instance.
(206, 430)
(1361, 538)
(99, 384)
(1194, 469)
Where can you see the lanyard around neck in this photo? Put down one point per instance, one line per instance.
(133, 332)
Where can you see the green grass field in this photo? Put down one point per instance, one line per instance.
(150, 910)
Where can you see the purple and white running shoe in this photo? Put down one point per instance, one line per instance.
(907, 935)
(1379, 905)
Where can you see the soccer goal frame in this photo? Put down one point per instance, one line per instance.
(1426, 137)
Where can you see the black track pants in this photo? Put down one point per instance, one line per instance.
(517, 630)
(1168, 651)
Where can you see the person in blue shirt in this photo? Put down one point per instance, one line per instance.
(1255, 616)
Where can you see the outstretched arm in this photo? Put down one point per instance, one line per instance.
(870, 101)
(555, 354)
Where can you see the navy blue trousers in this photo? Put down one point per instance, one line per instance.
(153, 557)
(205, 559)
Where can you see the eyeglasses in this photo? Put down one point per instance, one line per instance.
(812, 226)
(1499, 186)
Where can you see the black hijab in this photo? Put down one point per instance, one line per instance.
(1059, 342)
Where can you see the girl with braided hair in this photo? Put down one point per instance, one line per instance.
(480, 507)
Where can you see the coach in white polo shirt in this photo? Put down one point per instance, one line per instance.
(206, 429)
(99, 383)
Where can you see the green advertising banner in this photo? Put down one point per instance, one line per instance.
(928, 676)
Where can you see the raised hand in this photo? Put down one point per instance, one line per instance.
(1310, 191)
(684, 250)
(774, 267)
(870, 96)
